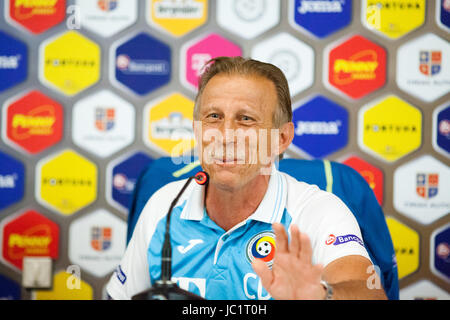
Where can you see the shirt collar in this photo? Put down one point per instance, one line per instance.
(270, 209)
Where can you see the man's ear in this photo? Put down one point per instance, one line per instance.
(286, 135)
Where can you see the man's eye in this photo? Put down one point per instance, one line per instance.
(246, 118)
(214, 116)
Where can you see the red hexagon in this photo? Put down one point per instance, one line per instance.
(29, 234)
(357, 67)
(372, 174)
(36, 16)
(34, 122)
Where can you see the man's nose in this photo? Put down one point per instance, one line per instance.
(228, 130)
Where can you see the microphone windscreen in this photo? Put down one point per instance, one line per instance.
(201, 177)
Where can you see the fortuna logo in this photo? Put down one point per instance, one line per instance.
(10, 62)
(261, 246)
(8, 181)
(318, 127)
(141, 67)
(332, 239)
(320, 6)
(178, 9)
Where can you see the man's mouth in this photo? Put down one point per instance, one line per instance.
(225, 161)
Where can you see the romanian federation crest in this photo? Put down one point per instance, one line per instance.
(261, 246)
(101, 238)
(104, 118)
(430, 62)
(427, 185)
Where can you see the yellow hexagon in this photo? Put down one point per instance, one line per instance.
(168, 125)
(406, 246)
(177, 17)
(393, 18)
(66, 286)
(66, 182)
(70, 62)
(390, 128)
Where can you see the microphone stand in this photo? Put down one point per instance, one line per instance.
(166, 289)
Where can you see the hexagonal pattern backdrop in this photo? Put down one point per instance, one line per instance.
(92, 91)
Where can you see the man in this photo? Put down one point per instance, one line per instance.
(229, 238)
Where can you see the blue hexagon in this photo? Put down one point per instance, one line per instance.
(123, 174)
(9, 289)
(141, 64)
(321, 127)
(13, 61)
(320, 18)
(443, 14)
(12, 177)
(441, 129)
(440, 252)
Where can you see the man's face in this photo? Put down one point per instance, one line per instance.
(237, 136)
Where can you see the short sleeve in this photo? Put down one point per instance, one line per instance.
(131, 275)
(332, 228)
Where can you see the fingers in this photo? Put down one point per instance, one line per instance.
(281, 238)
(300, 245)
(264, 273)
(306, 250)
(295, 245)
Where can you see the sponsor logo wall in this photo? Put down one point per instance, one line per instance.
(92, 91)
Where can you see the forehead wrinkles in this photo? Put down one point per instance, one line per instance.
(256, 93)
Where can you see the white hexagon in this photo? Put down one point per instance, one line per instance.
(107, 18)
(422, 189)
(292, 56)
(423, 67)
(248, 18)
(97, 242)
(103, 123)
(423, 290)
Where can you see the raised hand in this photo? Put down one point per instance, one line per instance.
(293, 276)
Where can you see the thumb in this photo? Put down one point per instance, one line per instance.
(264, 273)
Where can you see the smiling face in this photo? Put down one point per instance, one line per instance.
(235, 127)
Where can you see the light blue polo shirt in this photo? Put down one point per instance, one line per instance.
(216, 264)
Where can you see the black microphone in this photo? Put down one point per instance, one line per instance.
(166, 289)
